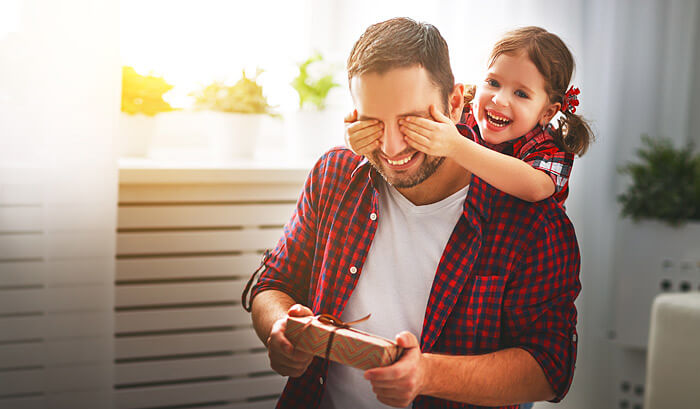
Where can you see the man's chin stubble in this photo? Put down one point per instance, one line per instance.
(429, 166)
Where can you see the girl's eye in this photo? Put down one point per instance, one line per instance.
(521, 94)
(492, 82)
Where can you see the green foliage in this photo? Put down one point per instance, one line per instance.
(143, 94)
(665, 183)
(313, 90)
(245, 97)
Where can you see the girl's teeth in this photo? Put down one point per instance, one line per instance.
(497, 120)
(399, 162)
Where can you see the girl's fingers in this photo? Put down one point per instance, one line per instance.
(365, 149)
(427, 124)
(359, 125)
(364, 133)
(416, 136)
(417, 145)
(359, 143)
(417, 128)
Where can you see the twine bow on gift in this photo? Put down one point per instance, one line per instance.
(337, 324)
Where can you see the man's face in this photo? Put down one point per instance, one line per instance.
(388, 97)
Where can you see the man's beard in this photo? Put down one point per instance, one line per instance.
(429, 166)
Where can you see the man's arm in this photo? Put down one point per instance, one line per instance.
(506, 377)
(268, 307)
(270, 310)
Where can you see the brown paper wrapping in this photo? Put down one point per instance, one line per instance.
(349, 346)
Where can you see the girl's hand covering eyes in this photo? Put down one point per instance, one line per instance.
(362, 137)
(437, 137)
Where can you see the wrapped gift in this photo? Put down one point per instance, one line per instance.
(330, 338)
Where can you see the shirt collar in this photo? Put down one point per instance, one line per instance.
(479, 197)
(371, 171)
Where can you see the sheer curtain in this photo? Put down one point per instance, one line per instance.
(59, 97)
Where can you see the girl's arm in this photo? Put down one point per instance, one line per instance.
(505, 173)
(511, 175)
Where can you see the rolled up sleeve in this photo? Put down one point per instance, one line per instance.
(539, 304)
(289, 265)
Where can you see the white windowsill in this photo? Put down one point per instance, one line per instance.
(150, 171)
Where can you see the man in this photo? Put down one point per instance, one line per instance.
(486, 281)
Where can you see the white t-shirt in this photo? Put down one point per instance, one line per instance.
(395, 282)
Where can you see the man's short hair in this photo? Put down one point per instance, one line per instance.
(403, 42)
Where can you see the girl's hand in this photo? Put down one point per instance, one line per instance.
(362, 137)
(436, 137)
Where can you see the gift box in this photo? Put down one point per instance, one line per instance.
(349, 346)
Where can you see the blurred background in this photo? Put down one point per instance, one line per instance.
(151, 150)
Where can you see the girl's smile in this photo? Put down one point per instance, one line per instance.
(496, 120)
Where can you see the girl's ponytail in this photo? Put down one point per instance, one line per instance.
(574, 135)
(579, 135)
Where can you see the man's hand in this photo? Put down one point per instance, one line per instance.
(437, 137)
(398, 384)
(362, 137)
(284, 358)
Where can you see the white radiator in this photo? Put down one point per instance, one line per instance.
(184, 254)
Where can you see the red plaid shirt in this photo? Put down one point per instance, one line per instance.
(536, 148)
(508, 276)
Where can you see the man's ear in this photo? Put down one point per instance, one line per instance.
(456, 102)
(549, 113)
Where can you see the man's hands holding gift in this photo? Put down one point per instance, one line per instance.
(398, 384)
(284, 358)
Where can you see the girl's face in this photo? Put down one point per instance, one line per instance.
(511, 100)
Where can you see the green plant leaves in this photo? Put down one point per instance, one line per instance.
(665, 183)
(312, 89)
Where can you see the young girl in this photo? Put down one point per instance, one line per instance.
(520, 133)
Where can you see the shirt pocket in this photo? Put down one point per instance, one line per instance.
(482, 329)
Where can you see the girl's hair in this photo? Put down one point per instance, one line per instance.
(554, 61)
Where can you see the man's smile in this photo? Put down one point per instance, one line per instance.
(402, 162)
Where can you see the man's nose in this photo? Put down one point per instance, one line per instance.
(393, 142)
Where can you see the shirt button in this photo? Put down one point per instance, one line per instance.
(353, 270)
(373, 216)
(320, 380)
(574, 338)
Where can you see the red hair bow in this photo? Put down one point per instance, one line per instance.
(570, 100)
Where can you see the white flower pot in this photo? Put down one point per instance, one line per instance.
(205, 135)
(310, 133)
(134, 134)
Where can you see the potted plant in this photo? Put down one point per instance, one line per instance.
(224, 124)
(142, 99)
(658, 242)
(314, 128)
(665, 184)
